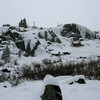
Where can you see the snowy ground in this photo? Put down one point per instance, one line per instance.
(25, 91)
(91, 49)
(31, 90)
(88, 91)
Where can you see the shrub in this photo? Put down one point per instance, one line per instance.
(23, 23)
(91, 69)
(88, 36)
(7, 25)
(27, 72)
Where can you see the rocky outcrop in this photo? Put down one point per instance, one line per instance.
(19, 40)
(76, 31)
(14, 36)
(49, 35)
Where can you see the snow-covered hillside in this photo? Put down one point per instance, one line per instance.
(37, 44)
(35, 47)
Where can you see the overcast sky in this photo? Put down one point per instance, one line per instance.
(49, 12)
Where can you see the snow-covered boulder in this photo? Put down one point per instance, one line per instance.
(76, 79)
(50, 80)
(76, 31)
(52, 85)
(98, 36)
(52, 90)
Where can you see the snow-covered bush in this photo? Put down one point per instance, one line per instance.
(90, 69)
(27, 72)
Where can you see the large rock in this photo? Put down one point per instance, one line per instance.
(81, 81)
(76, 31)
(52, 92)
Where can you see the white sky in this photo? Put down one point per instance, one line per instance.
(48, 12)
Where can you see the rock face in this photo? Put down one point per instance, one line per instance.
(52, 92)
(18, 39)
(43, 41)
(76, 31)
(49, 35)
(5, 70)
(81, 81)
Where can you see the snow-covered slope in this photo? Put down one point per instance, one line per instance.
(54, 43)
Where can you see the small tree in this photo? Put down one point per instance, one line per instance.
(6, 55)
(46, 35)
(19, 53)
(23, 23)
(88, 36)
